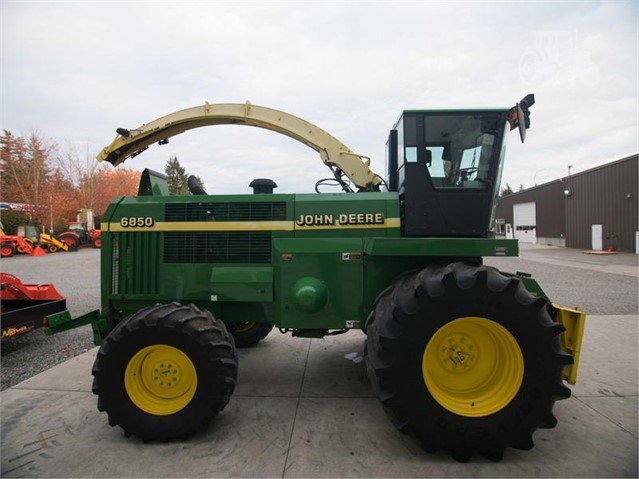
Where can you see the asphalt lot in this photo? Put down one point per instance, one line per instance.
(302, 409)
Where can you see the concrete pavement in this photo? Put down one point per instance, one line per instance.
(304, 408)
(301, 409)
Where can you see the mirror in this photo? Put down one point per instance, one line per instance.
(521, 119)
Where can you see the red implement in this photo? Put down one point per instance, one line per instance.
(24, 306)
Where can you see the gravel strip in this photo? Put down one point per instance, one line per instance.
(76, 276)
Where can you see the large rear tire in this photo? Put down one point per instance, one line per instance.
(465, 358)
(165, 372)
(249, 333)
(71, 239)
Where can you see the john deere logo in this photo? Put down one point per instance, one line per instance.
(342, 219)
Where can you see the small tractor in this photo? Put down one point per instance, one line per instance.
(29, 232)
(12, 244)
(53, 244)
(82, 232)
(468, 359)
(42, 242)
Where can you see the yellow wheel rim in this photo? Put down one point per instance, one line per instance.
(473, 366)
(160, 380)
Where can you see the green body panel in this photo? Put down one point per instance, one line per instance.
(335, 262)
(152, 184)
(440, 247)
(314, 263)
(346, 215)
(307, 262)
(242, 283)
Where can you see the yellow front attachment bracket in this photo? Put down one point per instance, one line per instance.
(574, 321)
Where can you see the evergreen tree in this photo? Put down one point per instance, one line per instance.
(506, 190)
(176, 177)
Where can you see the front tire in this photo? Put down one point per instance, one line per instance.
(165, 372)
(466, 359)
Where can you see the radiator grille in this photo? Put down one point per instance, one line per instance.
(263, 211)
(135, 263)
(218, 247)
(221, 246)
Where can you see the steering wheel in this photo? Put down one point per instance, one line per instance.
(464, 174)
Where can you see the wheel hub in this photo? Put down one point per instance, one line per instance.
(165, 375)
(459, 353)
(473, 366)
(160, 379)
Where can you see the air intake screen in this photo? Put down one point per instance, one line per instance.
(218, 247)
(221, 246)
(266, 211)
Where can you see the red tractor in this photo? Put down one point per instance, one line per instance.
(78, 235)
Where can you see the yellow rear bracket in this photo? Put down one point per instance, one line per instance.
(574, 321)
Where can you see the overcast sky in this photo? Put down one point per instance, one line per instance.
(75, 71)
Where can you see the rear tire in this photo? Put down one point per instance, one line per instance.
(466, 359)
(71, 239)
(165, 372)
(249, 333)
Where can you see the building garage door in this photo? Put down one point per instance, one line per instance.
(525, 222)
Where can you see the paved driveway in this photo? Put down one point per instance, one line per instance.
(304, 408)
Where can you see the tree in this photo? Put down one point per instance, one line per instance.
(11, 219)
(62, 202)
(54, 186)
(14, 168)
(506, 190)
(84, 173)
(521, 187)
(176, 177)
(27, 165)
(114, 182)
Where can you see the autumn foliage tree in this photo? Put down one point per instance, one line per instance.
(114, 182)
(54, 185)
(26, 168)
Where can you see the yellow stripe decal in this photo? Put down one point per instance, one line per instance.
(162, 226)
(208, 226)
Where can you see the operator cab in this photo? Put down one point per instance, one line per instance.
(446, 167)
